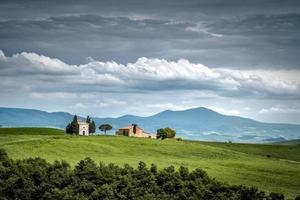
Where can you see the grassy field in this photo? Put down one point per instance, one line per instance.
(246, 164)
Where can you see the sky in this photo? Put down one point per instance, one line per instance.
(117, 57)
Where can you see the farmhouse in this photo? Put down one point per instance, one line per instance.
(83, 128)
(134, 131)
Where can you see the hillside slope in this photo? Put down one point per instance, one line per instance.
(233, 163)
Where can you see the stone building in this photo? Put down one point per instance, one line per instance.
(134, 131)
(83, 128)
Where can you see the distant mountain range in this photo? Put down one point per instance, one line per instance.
(196, 124)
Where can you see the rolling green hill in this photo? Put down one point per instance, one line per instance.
(245, 164)
(31, 131)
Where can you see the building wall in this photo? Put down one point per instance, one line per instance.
(124, 132)
(139, 132)
(83, 129)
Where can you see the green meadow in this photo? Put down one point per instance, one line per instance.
(273, 168)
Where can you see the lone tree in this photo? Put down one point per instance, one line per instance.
(164, 133)
(105, 127)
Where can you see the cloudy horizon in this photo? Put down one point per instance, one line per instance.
(237, 58)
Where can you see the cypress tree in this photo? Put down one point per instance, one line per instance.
(88, 120)
(69, 129)
(74, 125)
(92, 127)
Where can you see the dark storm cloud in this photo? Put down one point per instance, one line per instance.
(81, 36)
(186, 10)
(236, 34)
(264, 40)
(98, 57)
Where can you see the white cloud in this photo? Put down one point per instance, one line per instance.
(42, 73)
(224, 111)
(108, 102)
(137, 17)
(80, 105)
(168, 106)
(97, 103)
(52, 95)
(34, 63)
(279, 109)
(247, 108)
(201, 29)
(2, 55)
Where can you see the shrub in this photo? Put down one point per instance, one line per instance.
(37, 179)
(164, 133)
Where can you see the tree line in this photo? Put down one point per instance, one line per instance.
(34, 178)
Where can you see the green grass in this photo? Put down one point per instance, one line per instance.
(245, 164)
(31, 131)
(287, 152)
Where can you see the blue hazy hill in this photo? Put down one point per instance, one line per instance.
(196, 123)
(19, 117)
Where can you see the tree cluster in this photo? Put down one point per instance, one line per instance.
(35, 178)
(164, 133)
